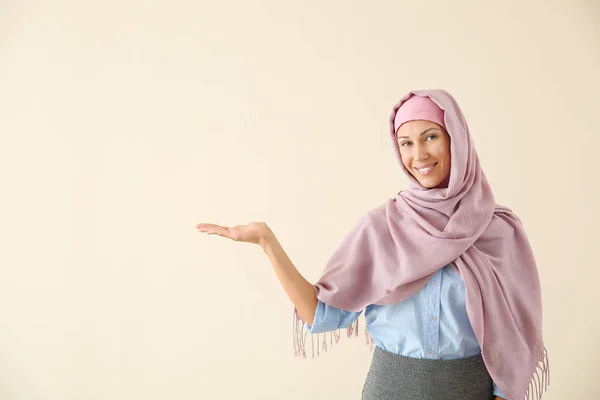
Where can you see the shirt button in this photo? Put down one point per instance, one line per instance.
(430, 352)
(432, 318)
(434, 283)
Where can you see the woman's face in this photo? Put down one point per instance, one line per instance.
(425, 151)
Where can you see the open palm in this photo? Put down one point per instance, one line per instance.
(254, 232)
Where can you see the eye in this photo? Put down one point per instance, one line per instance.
(404, 144)
(432, 137)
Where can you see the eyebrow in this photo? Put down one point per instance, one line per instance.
(421, 134)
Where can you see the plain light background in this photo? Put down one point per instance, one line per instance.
(125, 123)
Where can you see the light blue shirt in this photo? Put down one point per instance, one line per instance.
(432, 324)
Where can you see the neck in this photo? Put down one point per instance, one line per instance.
(444, 184)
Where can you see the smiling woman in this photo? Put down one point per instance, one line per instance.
(423, 142)
(446, 277)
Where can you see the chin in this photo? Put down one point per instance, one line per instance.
(430, 184)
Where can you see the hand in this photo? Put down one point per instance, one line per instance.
(254, 232)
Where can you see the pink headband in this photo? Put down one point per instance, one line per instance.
(419, 108)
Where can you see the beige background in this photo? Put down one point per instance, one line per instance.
(125, 123)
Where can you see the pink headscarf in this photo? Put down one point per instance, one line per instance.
(394, 249)
(419, 108)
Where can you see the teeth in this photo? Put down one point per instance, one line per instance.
(425, 171)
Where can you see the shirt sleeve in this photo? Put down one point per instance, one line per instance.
(329, 318)
(498, 392)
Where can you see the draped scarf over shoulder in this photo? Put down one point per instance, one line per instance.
(394, 249)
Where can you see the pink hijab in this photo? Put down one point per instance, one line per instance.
(394, 249)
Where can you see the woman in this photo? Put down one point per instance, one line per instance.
(445, 276)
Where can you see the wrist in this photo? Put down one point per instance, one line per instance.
(267, 238)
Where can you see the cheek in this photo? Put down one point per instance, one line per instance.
(448, 155)
(442, 151)
(445, 156)
(406, 158)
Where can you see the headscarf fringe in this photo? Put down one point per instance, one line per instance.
(300, 335)
(540, 379)
(538, 385)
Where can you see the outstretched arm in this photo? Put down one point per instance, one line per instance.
(300, 291)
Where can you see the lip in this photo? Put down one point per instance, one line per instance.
(430, 165)
(425, 165)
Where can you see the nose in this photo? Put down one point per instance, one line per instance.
(421, 152)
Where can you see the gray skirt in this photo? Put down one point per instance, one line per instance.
(396, 377)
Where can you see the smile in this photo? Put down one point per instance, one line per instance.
(426, 169)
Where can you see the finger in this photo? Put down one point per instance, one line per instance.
(218, 232)
(213, 229)
(205, 225)
(208, 227)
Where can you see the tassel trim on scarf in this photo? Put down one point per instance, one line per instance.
(300, 335)
(539, 381)
(541, 378)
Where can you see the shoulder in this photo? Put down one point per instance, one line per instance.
(504, 228)
(505, 217)
(376, 220)
(377, 213)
